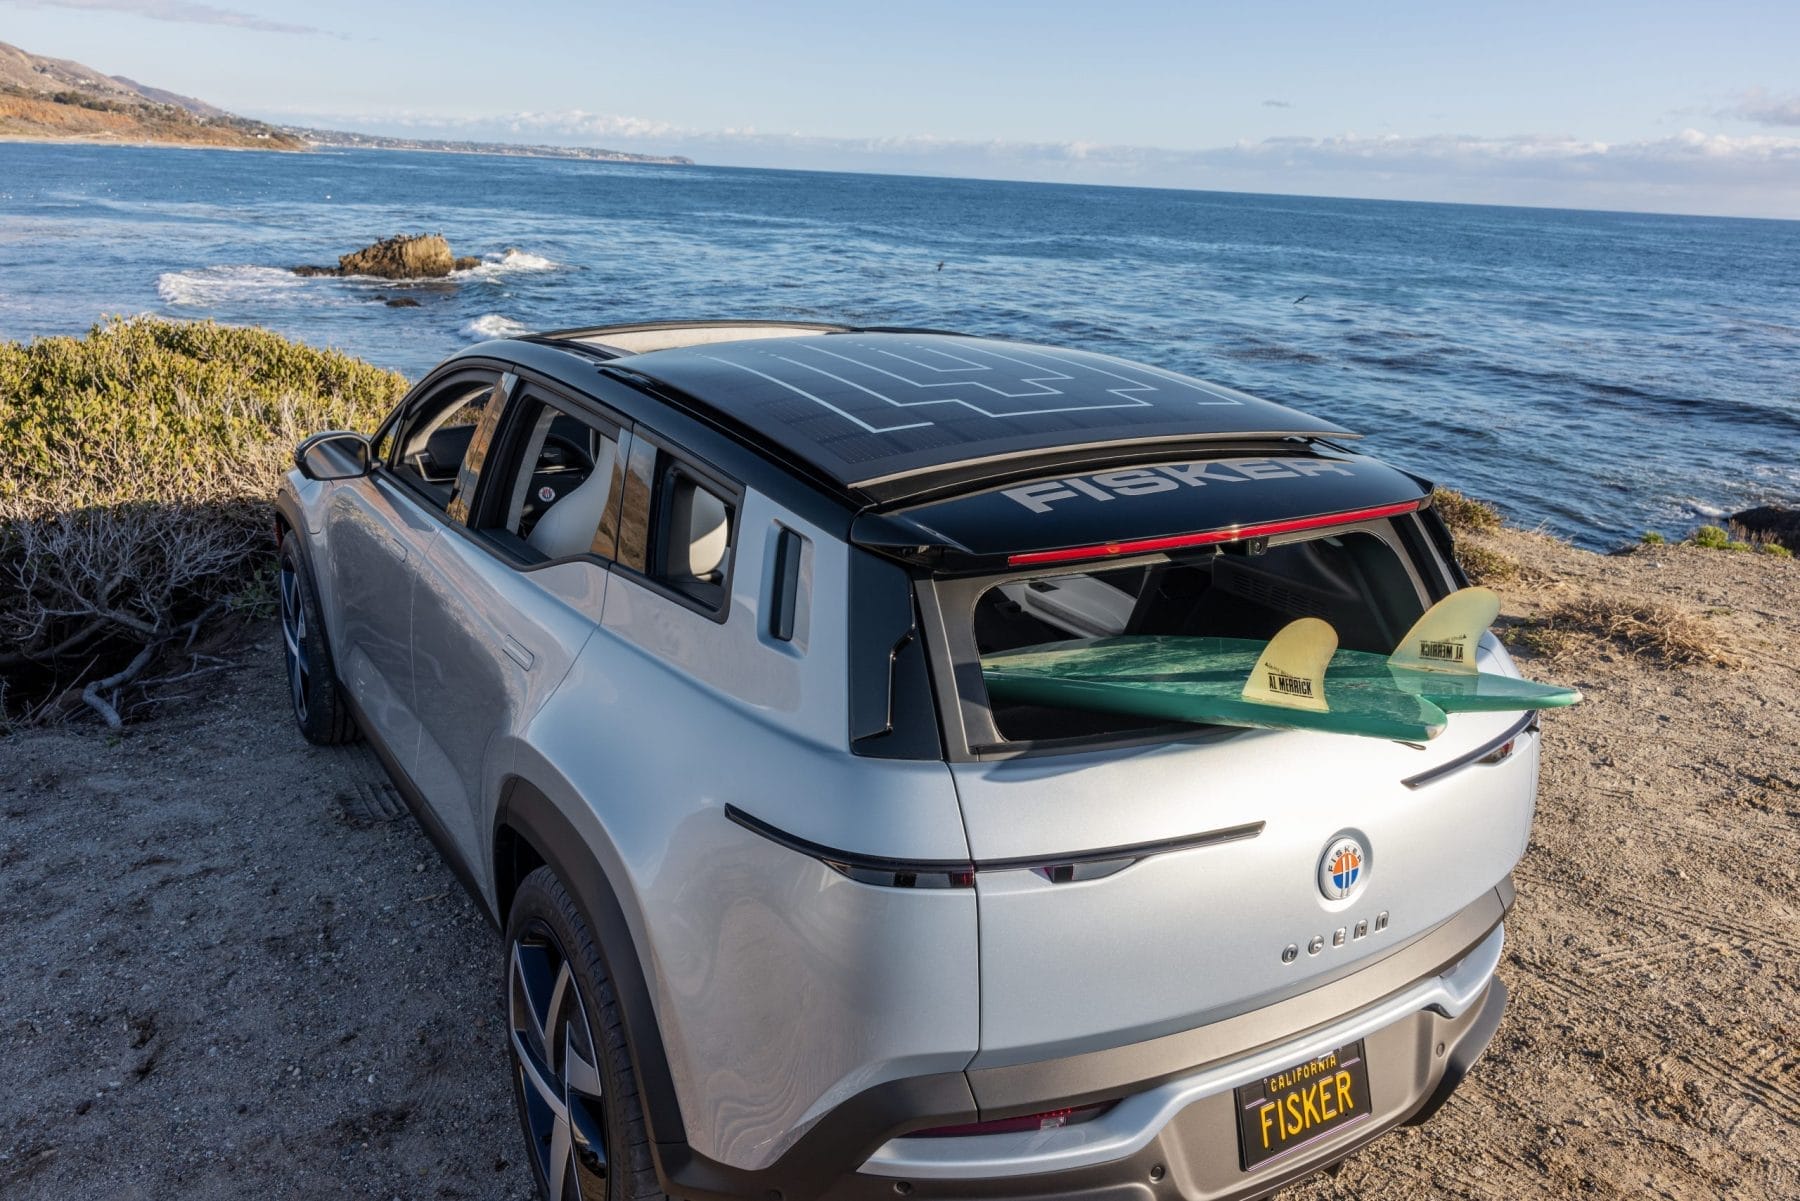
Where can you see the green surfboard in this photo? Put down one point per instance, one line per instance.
(1199, 680)
(1296, 680)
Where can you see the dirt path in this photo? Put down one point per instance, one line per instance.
(227, 973)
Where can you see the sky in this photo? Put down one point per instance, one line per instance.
(1643, 105)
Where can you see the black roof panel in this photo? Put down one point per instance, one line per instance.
(866, 408)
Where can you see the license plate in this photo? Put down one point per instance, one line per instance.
(1293, 1108)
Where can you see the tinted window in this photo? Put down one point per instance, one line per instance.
(433, 441)
(693, 548)
(555, 486)
(679, 526)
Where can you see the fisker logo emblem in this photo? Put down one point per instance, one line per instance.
(1343, 868)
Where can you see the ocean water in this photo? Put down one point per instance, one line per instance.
(1599, 374)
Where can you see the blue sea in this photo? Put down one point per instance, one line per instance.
(1599, 374)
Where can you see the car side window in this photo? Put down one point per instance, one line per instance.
(438, 444)
(554, 484)
(679, 526)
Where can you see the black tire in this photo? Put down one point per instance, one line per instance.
(551, 1035)
(320, 709)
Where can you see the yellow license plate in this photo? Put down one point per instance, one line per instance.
(1294, 1108)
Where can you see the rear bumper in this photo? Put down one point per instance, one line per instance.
(1188, 1124)
(1425, 1014)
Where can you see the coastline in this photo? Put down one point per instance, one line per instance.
(492, 150)
(139, 143)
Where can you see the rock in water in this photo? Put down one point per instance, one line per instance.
(404, 256)
(425, 256)
(401, 302)
(1773, 523)
(467, 261)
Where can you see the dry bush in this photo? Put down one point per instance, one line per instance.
(1643, 628)
(1464, 513)
(1484, 566)
(136, 469)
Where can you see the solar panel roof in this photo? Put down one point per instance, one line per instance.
(866, 408)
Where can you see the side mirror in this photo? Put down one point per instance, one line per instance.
(333, 455)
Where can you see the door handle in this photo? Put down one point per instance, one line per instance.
(516, 651)
(398, 545)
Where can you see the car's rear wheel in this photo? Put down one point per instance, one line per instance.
(319, 706)
(572, 1076)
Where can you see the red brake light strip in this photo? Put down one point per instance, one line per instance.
(1108, 550)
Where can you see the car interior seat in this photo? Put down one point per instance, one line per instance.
(568, 526)
(700, 528)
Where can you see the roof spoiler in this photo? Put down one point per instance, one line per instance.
(1166, 507)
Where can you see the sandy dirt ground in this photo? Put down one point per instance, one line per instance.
(229, 967)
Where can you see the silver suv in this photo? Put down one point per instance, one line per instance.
(671, 636)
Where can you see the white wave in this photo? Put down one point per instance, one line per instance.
(494, 325)
(508, 262)
(210, 287)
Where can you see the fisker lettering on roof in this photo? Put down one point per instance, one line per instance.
(1142, 505)
(1042, 496)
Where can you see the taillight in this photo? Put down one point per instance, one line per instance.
(1500, 753)
(1050, 1119)
(1107, 550)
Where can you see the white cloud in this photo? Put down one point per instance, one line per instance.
(1758, 106)
(1692, 171)
(178, 11)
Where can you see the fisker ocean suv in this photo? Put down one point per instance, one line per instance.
(671, 635)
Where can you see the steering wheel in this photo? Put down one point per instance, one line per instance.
(570, 456)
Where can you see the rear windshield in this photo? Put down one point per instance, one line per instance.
(1356, 581)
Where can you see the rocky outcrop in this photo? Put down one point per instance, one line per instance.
(404, 256)
(1772, 523)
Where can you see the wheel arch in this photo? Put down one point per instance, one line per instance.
(531, 831)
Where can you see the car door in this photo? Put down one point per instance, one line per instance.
(506, 599)
(377, 535)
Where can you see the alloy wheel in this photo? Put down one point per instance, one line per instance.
(293, 635)
(558, 1069)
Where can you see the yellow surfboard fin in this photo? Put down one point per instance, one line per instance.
(1291, 670)
(1444, 639)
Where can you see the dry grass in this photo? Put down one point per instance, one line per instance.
(1484, 566)
(1464, 514)
(136, 469)
(1645, 629)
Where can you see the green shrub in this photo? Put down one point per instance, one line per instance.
(1463, 513)
(1652, 538)
(1776, 549)
(1713, 538)
(136, 469)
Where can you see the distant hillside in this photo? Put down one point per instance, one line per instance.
(56, 98)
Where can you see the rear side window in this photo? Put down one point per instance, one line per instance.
(679, 527)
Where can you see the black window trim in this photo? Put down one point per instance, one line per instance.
(728, 489)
